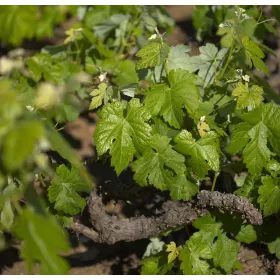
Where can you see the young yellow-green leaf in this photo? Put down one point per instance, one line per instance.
(248, 97)
(260, 126)
(269, 198)
(222, 245)
(182, 188)
(73, 34)
(195, 254)
(173, 250)
(122, 132)
(254, 55)
(169, 101)
(7, 215)
(247, 234)
(14, 154)
(152, 55)
(204, 153)
(159, 164)
(274, 247)
(98, 96)
(203, 126)
(43, 239)
(64, 189)
(228, 32)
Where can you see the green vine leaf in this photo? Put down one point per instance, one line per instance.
(204, 153)
(14, 154)
(183, 188)
(7, 215)
(159, 164)
(208, 226)
(105, 27)
(209, 62)
(252, 135)
(213, 236)
(169, 101)
(122, 132)
(274, 247)
(43, 240)
(156, 265)
(247, 234)
(248, 97)
(98, 96)
(195, 254)
(152, 55)
(254, 55)
(178, 58)
(222, 245)
(23, 18)
(269, 198)
(64, 189)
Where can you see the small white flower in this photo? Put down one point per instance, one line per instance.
(246, 16)
(226, 24)
(7, 65)
(102, 77)
(246, 78)
(30, 108)
(154, 36)
(48, 95)
(202, 119)
(44, 145)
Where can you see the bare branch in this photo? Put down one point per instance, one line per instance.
(232, 203)
(111, 229)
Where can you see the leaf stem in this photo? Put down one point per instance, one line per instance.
(267, 49)
(42, 181)
(228, 60)
(271, 19)
(214, 182)
(165, 68)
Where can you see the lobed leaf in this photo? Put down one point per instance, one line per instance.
(123, 135)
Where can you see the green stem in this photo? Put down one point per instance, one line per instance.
(260, 15)
(267, 49)
(271, 19)
(214, 182)
(165, 68)
(42, 181)
(78, 51)
(228, 60)
(61, 128)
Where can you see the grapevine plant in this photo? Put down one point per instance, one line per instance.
(201, 131)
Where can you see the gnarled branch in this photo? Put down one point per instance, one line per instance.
(110, 229)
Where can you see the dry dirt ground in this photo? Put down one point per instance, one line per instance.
(89, 258)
